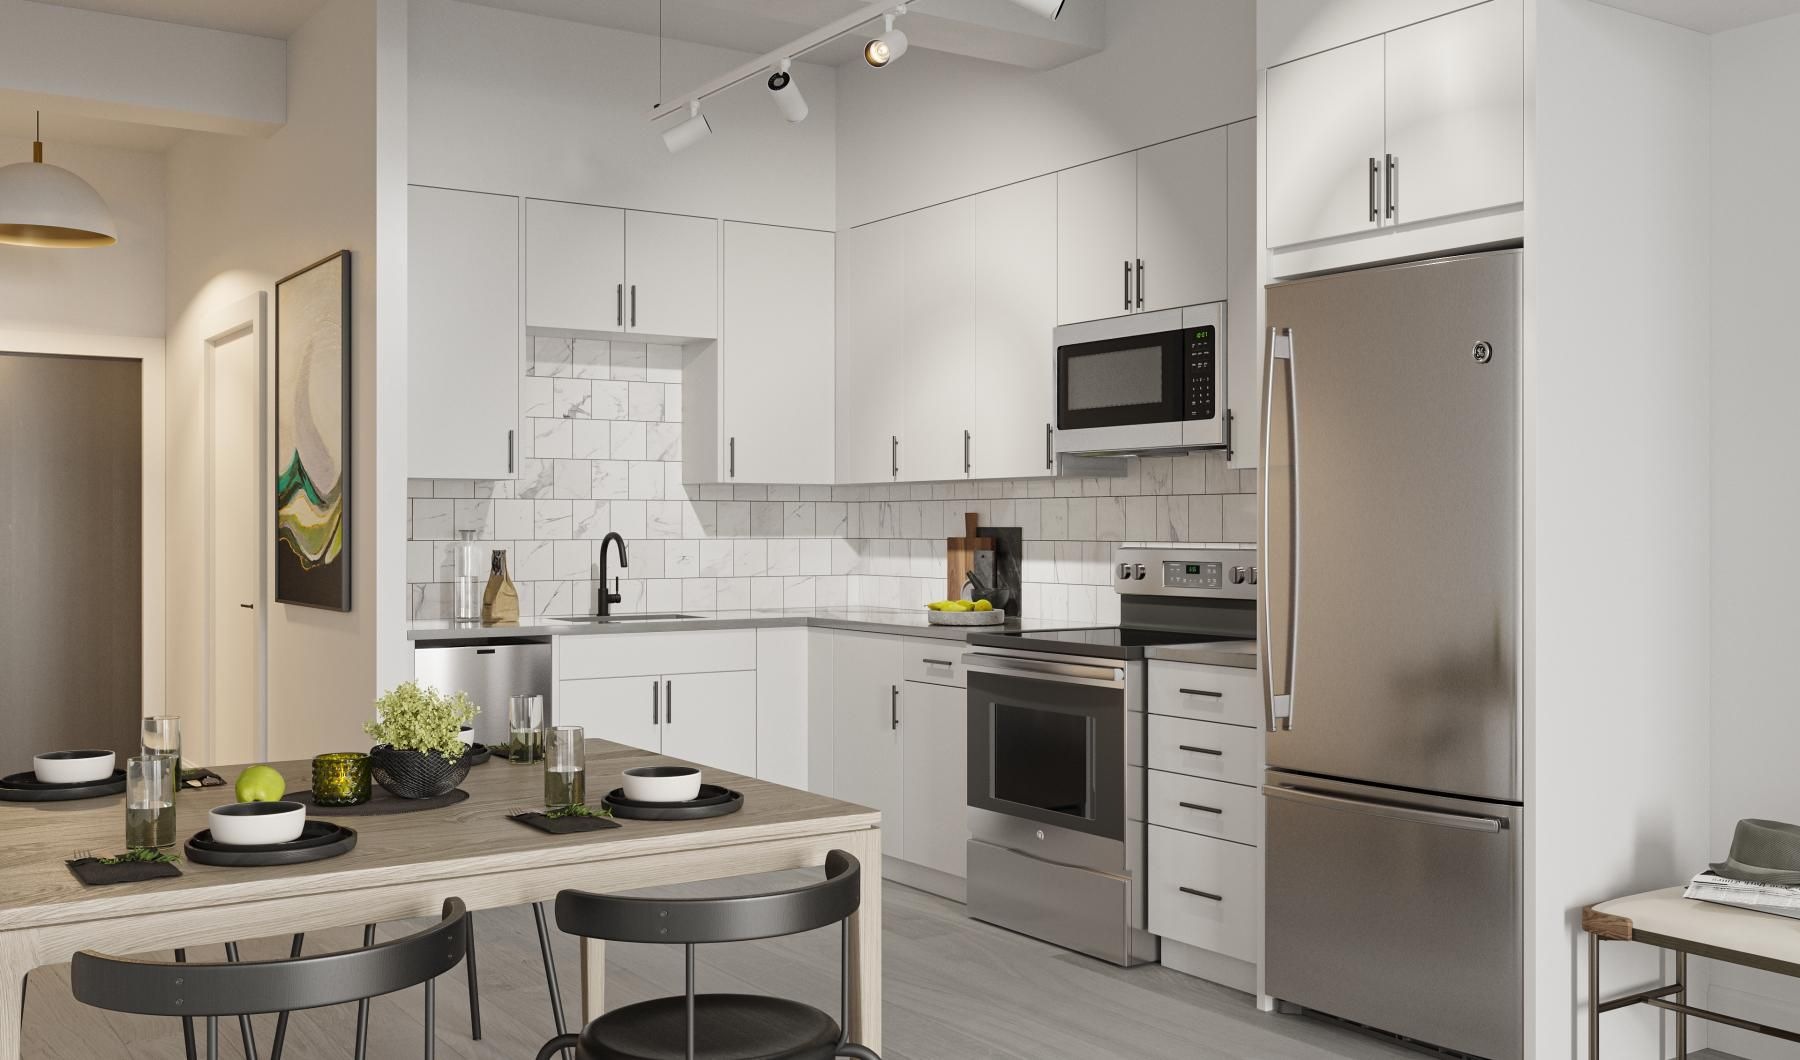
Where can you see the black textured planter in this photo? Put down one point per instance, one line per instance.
(410, 774)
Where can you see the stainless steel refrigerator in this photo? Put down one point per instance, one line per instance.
(1390, 640)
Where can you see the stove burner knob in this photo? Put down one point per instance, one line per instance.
(1252, 575)
(1237, 575)
(1124, 572)
(1139, 572)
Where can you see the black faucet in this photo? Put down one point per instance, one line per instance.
(607, 599)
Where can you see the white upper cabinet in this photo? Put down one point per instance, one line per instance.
(1096, 225)
(671, 275)
(463, 347)
(1456, 113)
(1326, 144)
(622, 272)
(777, 348)
(939, 352)
(574, 266)
(1015, 321)
(870, 350)
(1181, 222)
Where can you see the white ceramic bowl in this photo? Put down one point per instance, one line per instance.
(73, 767)
(662, 784)
(245, 824)
(467, 735)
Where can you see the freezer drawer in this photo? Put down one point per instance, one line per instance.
(1397, 911)
(491, 673)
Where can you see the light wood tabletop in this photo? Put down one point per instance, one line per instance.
(405, 865)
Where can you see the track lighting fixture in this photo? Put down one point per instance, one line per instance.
(786, 93)
(690, 131)
(1043, 8)
(891, 45)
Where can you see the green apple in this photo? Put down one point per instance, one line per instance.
(260, 784)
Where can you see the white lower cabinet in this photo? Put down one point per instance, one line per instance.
(706, 718)
(625, 710)
(1204, 892)
(934, 740)
(865, 703)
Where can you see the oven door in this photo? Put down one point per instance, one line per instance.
(1120, 380)
(1047, 742)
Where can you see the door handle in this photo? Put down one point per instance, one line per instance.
(732, 473)
(1393, 187)
(509, 452)
(968, 462)
(894, 452)
(894, 707)
(1049, 451)
(1391, 810)
(1203, 894)
(1215, 752)
(1374, 190)
(248, 607)
(1202, 809)
(668, 702)
(1202, 692)
(1128, 285)
(1140, 291)
(634, 305)
(655, 703)
(1278, 673)
(619, 300)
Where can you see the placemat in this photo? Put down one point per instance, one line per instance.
(381, 803)
(563, 825)
(94, 872)
(201, 778)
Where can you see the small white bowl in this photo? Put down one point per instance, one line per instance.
(246, 824)
(73, 767)
(662, 784)
(467, 735)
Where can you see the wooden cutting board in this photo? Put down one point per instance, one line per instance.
(959, 555)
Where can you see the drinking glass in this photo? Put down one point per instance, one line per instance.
(150, 800)
(525, 728)
(162, 736)
(341, 779)
(565, 767)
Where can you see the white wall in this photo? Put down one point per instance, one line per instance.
(934, 127)
(1755, 491)
(1616, 566)
(243, 213)
(522, 105)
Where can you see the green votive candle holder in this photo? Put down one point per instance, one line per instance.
(341, 779)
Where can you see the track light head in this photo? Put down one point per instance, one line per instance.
(786, 94)
(881, 52)
(1049, 9)
(688, 132)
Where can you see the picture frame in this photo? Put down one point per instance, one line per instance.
(312, 435)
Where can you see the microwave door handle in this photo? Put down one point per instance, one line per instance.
(1280, 601)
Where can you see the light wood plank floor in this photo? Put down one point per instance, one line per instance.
(956, 990)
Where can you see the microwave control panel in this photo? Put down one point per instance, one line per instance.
(1200, 354)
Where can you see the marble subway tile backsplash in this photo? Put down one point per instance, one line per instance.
(601, 451)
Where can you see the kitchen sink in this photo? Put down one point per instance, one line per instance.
(655, 617)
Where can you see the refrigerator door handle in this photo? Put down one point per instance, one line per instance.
(1463, 821)
(1278, 674)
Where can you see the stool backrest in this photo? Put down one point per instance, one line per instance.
(155, 988)
(705, 920)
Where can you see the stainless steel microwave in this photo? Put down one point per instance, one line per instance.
(1141, 383)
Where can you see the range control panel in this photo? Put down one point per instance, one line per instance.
(1180, 575)
(1148, 570)
(1200, 374)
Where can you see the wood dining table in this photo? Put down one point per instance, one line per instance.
(405, 865)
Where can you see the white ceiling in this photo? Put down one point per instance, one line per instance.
(261, 18)
(1708, 16)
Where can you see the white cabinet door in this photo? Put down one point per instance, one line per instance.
(1015, 322)
(671, 275)
(1182, 222)
(940, 342)
(871, 363)
(784, 705)
(866, 735)
(1325, 127)
(1096, 226)
(777, 348)
(463, 347)
(574, 266)
(622, 709)
(710, 719)
(1456, 112)
(1243, 311)
(934, 785)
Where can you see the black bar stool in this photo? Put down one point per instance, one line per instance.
(243, 989)
(717, 1026)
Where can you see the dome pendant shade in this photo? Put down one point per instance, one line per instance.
(42, 205)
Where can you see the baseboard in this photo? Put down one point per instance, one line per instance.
(1213, 967)
(920, 878)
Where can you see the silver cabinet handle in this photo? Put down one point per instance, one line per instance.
(732, 473)
(1128, 285)
(509, 451)
(1049, 447)
(668, 702)
(619, 298)
(634, 305)
(1393, 187)
(894, 707)
(939, 662)
(1202, 809)
(968, 462)
(1202, 692)
(1215, 752)
(1281, 595)
(1394, 811)
(1203, 894)
(1140, 293)
(895, 453)
(1374, 191)
(655, 703)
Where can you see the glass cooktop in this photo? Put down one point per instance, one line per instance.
(1106, 642)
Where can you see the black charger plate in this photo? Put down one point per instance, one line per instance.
(711, 803)
(26, 787)
(710, 795)
(318, 841)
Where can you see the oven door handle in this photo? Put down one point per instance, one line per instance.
(1098, 676)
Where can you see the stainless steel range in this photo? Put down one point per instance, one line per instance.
(1056, 751)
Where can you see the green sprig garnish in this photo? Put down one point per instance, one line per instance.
(146, 855)
(577, 811)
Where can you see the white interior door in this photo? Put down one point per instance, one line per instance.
(236, 502)
(940, 343)
(1325, 127)
(1182, 222)
(1015, 323)
(711, 719)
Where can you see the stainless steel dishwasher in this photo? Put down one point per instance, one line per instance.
(491, 671)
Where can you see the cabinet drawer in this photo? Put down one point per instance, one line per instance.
(935, 662)
(1206, 693)
(1223, 916)
(1205, 749)
(1206, 807)
(639, 654)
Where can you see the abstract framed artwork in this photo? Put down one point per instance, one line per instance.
(312, 435)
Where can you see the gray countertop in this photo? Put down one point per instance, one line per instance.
(1239, 653)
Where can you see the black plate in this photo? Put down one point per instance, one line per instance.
(25, 787)
(201, 850)
(675, 811)
(312, 834)
(479, 753)
(710, 795)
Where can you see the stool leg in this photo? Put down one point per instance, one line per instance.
(244, 1026)
(430, 1018)
(212, 1038)
(474, 986)
(362, 1007)
(187, 1022)
(1681, 1048)
(281, 1021)
(556, 1003)
(1593, 997)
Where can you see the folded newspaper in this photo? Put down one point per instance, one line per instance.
(1782, 901)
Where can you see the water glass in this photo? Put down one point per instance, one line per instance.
(150, 801)
(340, 779)
(565, 767)
(525, 728)
(162, 736)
